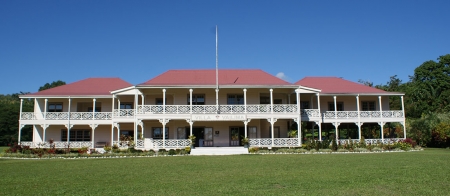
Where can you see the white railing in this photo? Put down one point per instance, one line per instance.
(310, 113)
(56, 115)
(170, 143)
(277, 142)
(27, 116)
(81, 115)
(122, 144)
(123, 113)
(363, 114)
(372, 141)
(57, 144)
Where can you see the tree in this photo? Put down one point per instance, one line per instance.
(52, 85)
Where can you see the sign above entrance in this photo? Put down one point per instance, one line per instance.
(218, 117)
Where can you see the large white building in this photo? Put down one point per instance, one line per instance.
(164, 111)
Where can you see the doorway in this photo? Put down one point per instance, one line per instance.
(203, 136)
(236, 134)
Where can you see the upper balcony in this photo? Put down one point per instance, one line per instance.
(262, 109)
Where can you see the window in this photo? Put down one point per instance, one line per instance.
(196, 99)
(127, 133)
(264, 100)
(368, 105)
(126, 105)
(157, 133)
(76, 135)
(340, 106)
(97, 109)
(55, 107)
(276, 132)
(304, 104)
(236, 99)
(159, 101)
(181, 133)
(252, 132)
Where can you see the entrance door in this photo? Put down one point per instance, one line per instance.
(199, 134)
(236, 134)
(208, 136)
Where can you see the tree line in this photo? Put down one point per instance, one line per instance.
(10, 111)
(426, 100)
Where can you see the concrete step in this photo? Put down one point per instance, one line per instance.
(219, 150)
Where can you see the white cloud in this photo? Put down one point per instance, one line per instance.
(283, 76)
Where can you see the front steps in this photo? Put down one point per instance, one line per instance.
(219, 150)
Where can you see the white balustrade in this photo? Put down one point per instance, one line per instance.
(27, 116)
(57, 144)
(372, 141)
(310, 113)
(56, 115)
(277, 142)
(139, 143)
(123, 113)
(170, 143)
(81, 115)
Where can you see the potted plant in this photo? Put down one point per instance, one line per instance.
(245, 142)
(192, 140)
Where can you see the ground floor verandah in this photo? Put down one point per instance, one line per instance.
(149, 134)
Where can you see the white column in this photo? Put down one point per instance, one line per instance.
(190, 100)
(404, 116)
(245, 127)
(112, 134)
(118, 132)
(381, 117)
(271, 102)
(118, 107)
(68, 128)
(142, 129)
(20, 125)
(319, 124)
(299, 131)
(93, 109)
(113, 106)
(217, 100)
(299, 117)
(142, 99)
(164, 101)
(93, 126)
(359, 117)
(336, 125)
(335, 107)
(45, 108)
(164, 133)
(245, 104)
(190, 127)
(272, 127)
(135, 117)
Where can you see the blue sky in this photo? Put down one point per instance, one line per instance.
(45, 41)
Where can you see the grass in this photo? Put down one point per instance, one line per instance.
(406, 173)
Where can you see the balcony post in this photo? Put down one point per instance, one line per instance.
(20, 125)
(142, 99)
(245, 127)
(45, 108)
(140, 123)
(93, 126)
(245, 104)
(164, 100)
(319, 122)
(117, 125)
(118, 106)
(381, 117)
(271, 103)
(112, 134)
(335, 107)
(217, 100)
(272, 122)
(359, 116)
(93, 108)
(69, 126)
(190, 101)
(112, 115)
(404, 116)
(135, 117)
(164, 122)
(299, 117)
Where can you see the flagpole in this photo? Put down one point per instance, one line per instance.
(217, 70)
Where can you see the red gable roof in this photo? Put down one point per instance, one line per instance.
(337, 85)
(90, 86)
(208, 77)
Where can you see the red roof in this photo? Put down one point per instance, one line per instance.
(337, 85)
(89, 86)
(208, 77)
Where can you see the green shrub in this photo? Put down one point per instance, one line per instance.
(171, 152)
(253, 149)
(187, 149)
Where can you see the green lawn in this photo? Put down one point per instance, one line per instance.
(406, 173)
